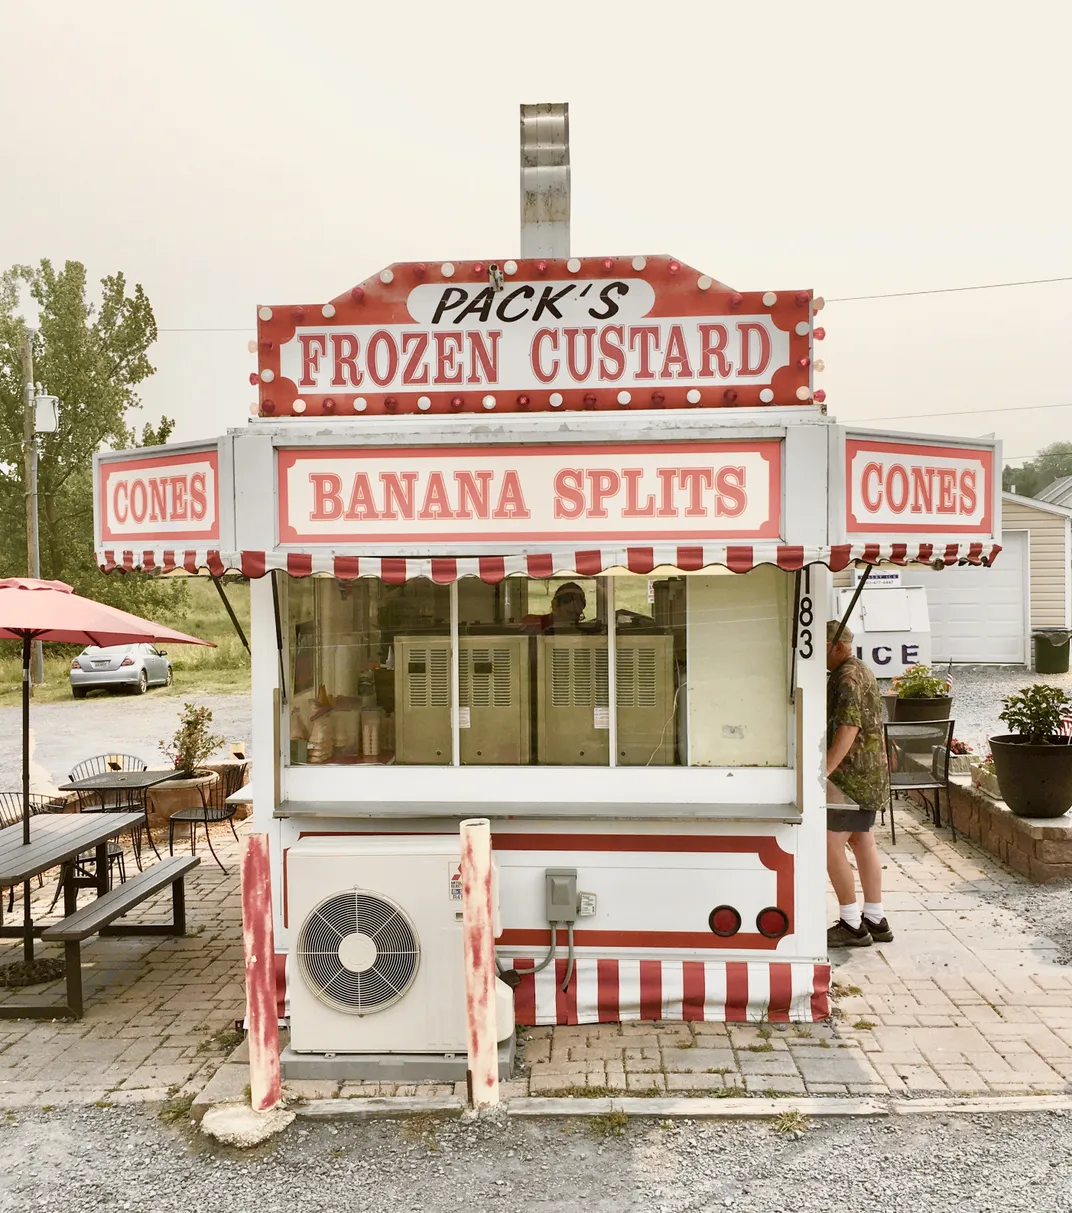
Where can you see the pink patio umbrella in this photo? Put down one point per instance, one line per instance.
(50, 610)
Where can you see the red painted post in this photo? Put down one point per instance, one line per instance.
(479, 951)
(258, 942)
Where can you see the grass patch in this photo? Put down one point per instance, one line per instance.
(765, 1047)
(764, 1033)
(611, 1125)
(422, 1128)
(824, 1044)
(719, 1070)
(791, 1121)
(105, 1103)
(864, 1025)
(803, 1030)
(580, 1093)
(226, 1039)
(733, 1092)
(176, 1109)
(686, 1044)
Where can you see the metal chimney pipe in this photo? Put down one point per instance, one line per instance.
(545, 180)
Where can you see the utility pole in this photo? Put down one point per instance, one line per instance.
(29, 443)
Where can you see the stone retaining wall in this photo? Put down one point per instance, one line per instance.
(1038, 848)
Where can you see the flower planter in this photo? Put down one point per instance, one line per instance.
(168, 798)
(909, 711)
(959, 764)
(987, 781)
(1035, 780)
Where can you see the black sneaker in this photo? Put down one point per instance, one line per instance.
(841, 935)
(880, 931)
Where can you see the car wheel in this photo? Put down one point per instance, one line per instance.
(170, 677)
(142, 684)
(78, 692)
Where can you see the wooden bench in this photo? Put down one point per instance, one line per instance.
(97, 917)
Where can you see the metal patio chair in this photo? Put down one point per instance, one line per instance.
(116, 802)
(918, 757)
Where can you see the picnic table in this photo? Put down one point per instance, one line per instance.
(58, 839)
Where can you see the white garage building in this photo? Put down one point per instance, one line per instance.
(987, 615)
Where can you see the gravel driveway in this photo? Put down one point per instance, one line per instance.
(95, 1159)
(62, 734)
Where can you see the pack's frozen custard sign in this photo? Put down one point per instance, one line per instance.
(599, 333)
(911, 488)
(524, 494)
(167, 499)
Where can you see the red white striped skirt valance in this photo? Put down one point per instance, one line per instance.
(738, 558)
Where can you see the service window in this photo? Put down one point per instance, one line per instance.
(370, 671)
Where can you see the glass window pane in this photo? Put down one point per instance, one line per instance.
(370, 671)
(532, 672)
(738, 668)
(650, 670)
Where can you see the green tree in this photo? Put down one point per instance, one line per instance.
(1031, 477)
(92, 356)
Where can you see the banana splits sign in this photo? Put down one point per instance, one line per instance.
(483, 337)
(530, 494)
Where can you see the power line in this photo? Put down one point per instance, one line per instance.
(949, 290)
(1012, 408)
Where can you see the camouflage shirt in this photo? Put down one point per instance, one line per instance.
(852, 697)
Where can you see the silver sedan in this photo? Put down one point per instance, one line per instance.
(135, 667)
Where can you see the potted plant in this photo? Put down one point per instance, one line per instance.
(189, 748)
(1034, 761)
(919, 694)
(960, 757)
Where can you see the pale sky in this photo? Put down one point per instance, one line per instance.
(226, 153)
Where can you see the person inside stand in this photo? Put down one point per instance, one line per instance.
(856, 764)
(567, 607)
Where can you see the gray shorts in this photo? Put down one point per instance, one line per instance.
(850, 821)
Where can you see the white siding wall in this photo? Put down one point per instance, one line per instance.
(1050, 557)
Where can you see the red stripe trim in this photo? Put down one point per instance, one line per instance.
(926, 552)
(820, 992)
(253, 564)
(169, 561)
(791, 557)
(347, 568)
(952, 553)
(640, 560)
(393, 570)
(281, 984)
(871, 553)
(898, 553)
(128, 561)
(975, 552)
(994, 552)
(215, 564)
(492, 569)
(190, 562)
(444, 570)
(781, 993)
(740, 559)
(525, 995)
(540, 566)
(840, 557)
(148, 561)
(565, 1000)
(736, 991)
(524, 937)
(299, 564)
(588, 564)
(651, 989)
(690, 559)
(693, 990)
(607, 991)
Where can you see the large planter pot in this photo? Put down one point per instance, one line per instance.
(167, 798)
(908, 711)
(1035, 780)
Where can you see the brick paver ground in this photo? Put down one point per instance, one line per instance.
(965, 1001)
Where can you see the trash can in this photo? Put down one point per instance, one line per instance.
(1051, 650)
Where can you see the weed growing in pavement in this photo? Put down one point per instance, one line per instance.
(864, 1025)
(733, 1092)
(176, 1109)
(48, 1107)
(686, 1044)
(842, 991)
(802, 1029)
(824, 1044)
(103, 1103)
(764, 1033)
(719, 1070)
(791, 1121)
(611, 1125)
(765, 1047)
(247, 1093)
(422, 1128)
(581, 1093)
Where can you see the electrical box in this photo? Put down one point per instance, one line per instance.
(562, 900)
(573, 718)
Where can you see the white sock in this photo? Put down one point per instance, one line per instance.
(850, 915)
(873, 911)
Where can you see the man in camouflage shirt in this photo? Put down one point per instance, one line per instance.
(856, 765)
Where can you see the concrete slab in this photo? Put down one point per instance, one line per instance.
(372, 1108)
(693, 1109)
(238, 1125)
(387, 1067)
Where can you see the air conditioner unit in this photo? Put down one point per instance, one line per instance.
(573, 723)
(493, 699)
(376, 963)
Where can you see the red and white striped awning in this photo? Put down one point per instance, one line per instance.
(738, 558)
